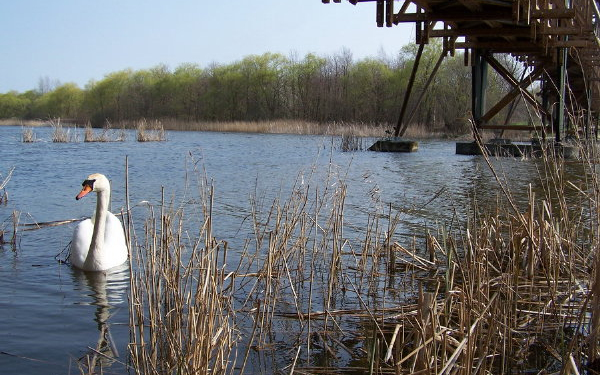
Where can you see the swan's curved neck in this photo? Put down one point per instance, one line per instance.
(99, 228)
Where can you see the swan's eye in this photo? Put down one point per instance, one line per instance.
(89, 183)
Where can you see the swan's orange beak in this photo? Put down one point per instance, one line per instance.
(86, 189)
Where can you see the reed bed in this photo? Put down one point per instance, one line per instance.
(28, 135)
(150, 132)
(13, 221)
(60, 134)
(181, 316)
(106, 134)
(511, 291)
(280, 127)
(350, 142)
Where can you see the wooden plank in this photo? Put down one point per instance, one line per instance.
(453, 16)
(531, 46)
(481, 31)
(498, 15)
(565, 30)
(503, 47)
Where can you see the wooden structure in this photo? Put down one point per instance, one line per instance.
(556, 40)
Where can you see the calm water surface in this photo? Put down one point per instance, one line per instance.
(52, 314)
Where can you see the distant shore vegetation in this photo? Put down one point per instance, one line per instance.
(266, 88)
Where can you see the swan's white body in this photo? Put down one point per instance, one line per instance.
(99, 244)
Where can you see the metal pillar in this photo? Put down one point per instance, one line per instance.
(545, 104)
(559, 111)
(479, 81)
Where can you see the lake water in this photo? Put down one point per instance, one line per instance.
(52, 314)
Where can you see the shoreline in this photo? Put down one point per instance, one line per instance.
(298, 127)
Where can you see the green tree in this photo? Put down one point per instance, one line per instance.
(102, 100)
(305, 79)
(262, 81)
(186, 89)
(64, 101)
(14, 105)
(369, 90)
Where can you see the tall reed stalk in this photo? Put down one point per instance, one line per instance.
(153, 132)
(181, 317)
(28, 135)
(59, 133)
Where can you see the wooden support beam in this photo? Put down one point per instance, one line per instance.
(552, 13)
(389, 13)
(522, 84)
(472, 5)
(508, 31)
(411, 81)
(519, 89)
(531, 46)
(498, 15)
(452, 16)
(508, 127)
(403, 8)
(564, 30)
(503, 47)
(423, 91)
(475, 32)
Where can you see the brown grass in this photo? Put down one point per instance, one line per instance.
(340, 128)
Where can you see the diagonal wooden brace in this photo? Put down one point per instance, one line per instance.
(518, 89)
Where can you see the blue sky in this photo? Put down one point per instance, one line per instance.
(82, 40)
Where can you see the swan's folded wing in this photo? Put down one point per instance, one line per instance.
(114, 240)
(80, 242)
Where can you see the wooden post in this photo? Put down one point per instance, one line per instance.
(389, 13)
(380, 13)
(420, 98)
(411, 82)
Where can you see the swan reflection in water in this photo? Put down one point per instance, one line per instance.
(107, 289)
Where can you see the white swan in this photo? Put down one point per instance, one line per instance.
(99, 243)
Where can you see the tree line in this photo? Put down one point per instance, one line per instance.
(264, 87)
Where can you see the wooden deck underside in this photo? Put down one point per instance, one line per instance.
(533, 31)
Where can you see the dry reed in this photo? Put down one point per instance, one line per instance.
(15, 214)
(106, 135)
(60, 134)
(153, 132)
(350, 142)
(509, 292)
(28, 135)
(181, 317)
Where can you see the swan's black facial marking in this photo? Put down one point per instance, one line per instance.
(88, 186)
(89, 183)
